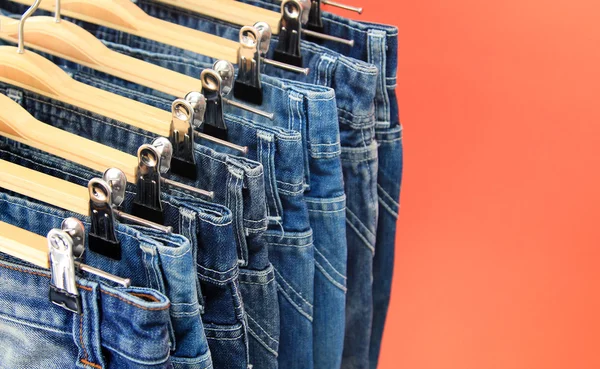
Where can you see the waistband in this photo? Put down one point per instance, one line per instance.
(131, 322)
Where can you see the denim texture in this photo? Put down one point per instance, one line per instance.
(166, 264)
(278, 150)
(223, 316)
(119, 327)
(311, 110)
(355, 84)
(376, 44)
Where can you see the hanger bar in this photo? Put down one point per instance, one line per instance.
(327, 37)
(285, 66)
(143, 222)
(270, 116)
(351, 8)
(125, 282)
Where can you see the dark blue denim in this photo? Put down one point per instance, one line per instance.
(224, 318)
(119, 327)
(355, 83)
(311, 110)
(376, 44)
(170, 269)
(278, 150)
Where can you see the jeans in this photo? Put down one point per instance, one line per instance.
(311, 110)
(119, 327)
(376, 44)
(217, 259)
(278, 150)
(168, 268)
(355, 84)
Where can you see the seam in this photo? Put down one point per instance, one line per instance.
(261, 328)
(387, 195)
(328, 263)
(292, 288)
(83, 361)
(329, 277)
(360, 236)
(294, 304)
(259, 283)
(386, 207)
(361, 223)
(120, 353)
(263, 343)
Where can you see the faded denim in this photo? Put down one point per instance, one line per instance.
(119, 327)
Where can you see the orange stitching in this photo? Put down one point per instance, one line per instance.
(90, 364)
(87, 289)
(136, 305)
(81, 336)
(144, 296)
(25, 271)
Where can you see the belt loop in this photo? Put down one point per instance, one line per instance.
(266, 155)
(86, 329)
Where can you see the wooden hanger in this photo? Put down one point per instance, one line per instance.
(125, 16)
(71, 42)
(44, 188)
(37, 74)
(25, 245)
(233, 12)
(18, 125)
(33, 248)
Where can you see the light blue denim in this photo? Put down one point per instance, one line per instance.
(217, 262)
(118, 327)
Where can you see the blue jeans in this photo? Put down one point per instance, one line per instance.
(170, 269)
(376, 44)
(278, 150)
(355, 83)
(311, 110)
(119, 327)
(217, 256)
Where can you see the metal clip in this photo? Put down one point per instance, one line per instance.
(103, 238)
(147, 202)
(63, 286)
(182, 135)
(247, 85)
(290, 28)
(315, 21)
(66, 246)
(213, 119)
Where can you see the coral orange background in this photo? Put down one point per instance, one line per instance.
(498, 253)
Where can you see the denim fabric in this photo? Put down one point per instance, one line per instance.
(224, 321)
(376, 44)
(278, 150)
(168, 266)
(295, 105)
(119, 327)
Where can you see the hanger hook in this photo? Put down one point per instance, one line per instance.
(57, 12)
(28, 12)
